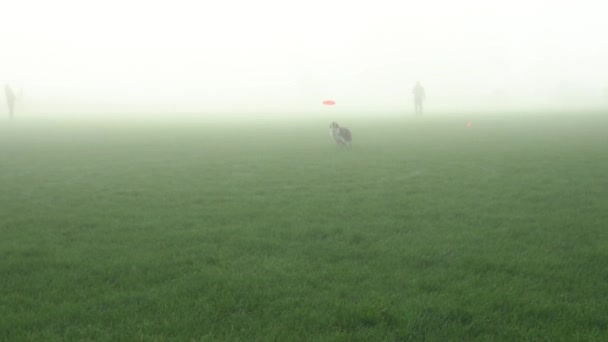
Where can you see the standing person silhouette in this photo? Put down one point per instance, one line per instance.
(10, 100)
(419, 97)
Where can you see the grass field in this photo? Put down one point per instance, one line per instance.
(208, 230)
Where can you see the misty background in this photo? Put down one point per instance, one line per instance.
(273, 56)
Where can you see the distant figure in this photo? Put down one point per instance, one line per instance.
(340, 134)
(419, 97)
(10, 100)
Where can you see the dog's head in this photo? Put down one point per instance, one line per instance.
(334, 129)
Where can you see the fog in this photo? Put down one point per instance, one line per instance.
(277, 56)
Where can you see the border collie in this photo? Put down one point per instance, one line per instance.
(341, 135)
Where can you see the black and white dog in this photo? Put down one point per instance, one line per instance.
(341, 135)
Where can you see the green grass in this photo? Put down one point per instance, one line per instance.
(212, 230)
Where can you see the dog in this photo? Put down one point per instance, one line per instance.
(341, 135)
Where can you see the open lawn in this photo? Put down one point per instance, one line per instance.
(212, 230)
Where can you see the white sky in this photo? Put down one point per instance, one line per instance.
(287, 56)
